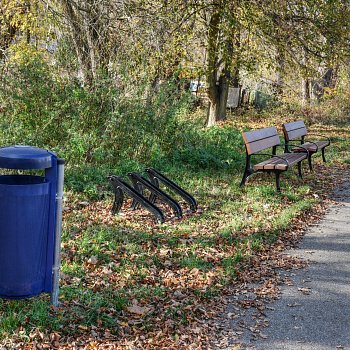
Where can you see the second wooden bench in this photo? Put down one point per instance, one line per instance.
(259, 140)
(296, 131)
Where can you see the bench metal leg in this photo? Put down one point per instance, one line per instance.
(299, 170)
(278, 183)
(323, 156)
(247, 171)
(246, 175)
(244, 179)
(310, 163)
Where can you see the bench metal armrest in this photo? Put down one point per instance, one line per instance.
(295, 145)
(304, 148)
(318, 135)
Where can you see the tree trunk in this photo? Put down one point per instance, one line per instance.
(6, 39)
(305, 82)
(88, 26)
(217, 106)
(81, 49)
(279, 74)
(224, 84)
(212, 113)
(305, 92)
(218, 87)
(212, 75)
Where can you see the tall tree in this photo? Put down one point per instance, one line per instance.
(223, 55)
(89, 23)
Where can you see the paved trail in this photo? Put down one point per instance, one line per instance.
(314, 313)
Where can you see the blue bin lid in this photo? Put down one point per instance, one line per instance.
(25, 157)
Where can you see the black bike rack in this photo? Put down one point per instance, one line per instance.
(139, 183)
(136, 192)
(156, 177)
(120, 186)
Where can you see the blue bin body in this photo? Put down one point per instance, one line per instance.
(27, 222)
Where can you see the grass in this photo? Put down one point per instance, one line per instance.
(173, 269)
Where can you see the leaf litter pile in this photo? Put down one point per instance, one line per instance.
(128, 283)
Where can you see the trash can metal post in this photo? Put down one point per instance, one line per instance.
(58, 231)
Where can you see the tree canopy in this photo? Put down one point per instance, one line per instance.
(152, 41)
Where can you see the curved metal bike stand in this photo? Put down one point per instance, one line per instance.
(120, 187)
(139, 183)
(156, 177)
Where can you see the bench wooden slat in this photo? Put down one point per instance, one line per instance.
(260, 145)
(270, 164)
(259, 134)
(299, 124)
(311, 146)
(294, 130)
(322, 144)
(296, 133)
(258, 140)
(279, 164)
(294, 157)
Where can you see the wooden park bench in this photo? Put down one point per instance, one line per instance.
(296, 131)
(262, 139)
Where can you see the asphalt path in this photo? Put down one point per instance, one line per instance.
(313, 313)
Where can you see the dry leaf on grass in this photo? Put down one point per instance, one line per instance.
(136, 309)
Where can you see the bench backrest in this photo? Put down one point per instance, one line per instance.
(294, 130)
(258, 140)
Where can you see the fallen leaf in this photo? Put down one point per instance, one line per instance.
(305, 291)
(137, 309)
(179, 295)
(93, 260)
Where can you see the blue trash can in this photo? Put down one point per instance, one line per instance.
(30, 222)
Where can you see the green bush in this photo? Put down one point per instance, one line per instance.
(96, 125)
(103, 129)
